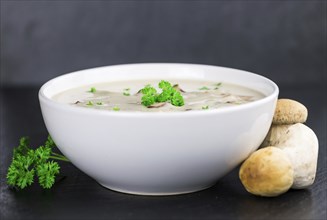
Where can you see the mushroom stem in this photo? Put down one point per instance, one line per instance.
(301, 145)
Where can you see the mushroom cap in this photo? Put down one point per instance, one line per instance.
(289, 111)
(267, 172)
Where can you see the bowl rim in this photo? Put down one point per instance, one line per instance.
(43, 98)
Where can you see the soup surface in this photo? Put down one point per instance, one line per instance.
(127, 95)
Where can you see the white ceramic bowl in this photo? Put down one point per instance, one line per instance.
(158, 153)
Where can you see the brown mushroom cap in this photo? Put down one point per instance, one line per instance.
(267, 172)
(289, 111)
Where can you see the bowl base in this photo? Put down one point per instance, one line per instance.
(145, 193)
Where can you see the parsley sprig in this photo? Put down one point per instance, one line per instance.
(168, 94)
(28, 163)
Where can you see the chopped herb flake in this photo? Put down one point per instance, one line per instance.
(99, 103)
(93, 90)
(89, 103)
(205, 107)
(204, 88)
(116, 108)
(217, 85)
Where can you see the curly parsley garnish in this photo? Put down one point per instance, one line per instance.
(168, 94)
(28, 163)
(149, 95)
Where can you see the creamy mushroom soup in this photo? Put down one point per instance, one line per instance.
(127, 95)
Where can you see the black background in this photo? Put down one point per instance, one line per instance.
(283, 40)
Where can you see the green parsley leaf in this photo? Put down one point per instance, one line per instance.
(149, 95)
(168, 94)
(49, 142)
(23, 146)
(164, 85)
(148, 100)
(149, 90)
(165, 95)
(126, 92)
(217, 85)
(47, 173)
(92, 90)
(116, 108)
(177, 99)
(89, 103)
(21, 172)
(204, 88)
(42, 153)
(205, 107)
(26, 163)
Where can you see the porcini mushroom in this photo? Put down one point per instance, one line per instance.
(289, 111)
(267, 172)
(300, 144)
(295, 141)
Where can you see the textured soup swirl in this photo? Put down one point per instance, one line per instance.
(126, 95)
